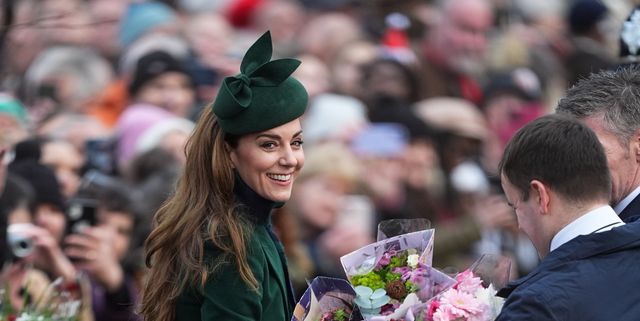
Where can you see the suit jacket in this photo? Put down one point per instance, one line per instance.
(632, 211)
(590, 278)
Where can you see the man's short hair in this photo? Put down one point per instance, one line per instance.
(615, 95)
(562, 153)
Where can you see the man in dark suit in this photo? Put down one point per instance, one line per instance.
(554, 174)
(609, 103)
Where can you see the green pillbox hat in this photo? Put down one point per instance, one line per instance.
(263, 95)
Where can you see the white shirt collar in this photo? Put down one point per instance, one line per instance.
(626, 201)
(601, 219)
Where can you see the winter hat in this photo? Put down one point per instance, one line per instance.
(141, 17)
(521, 81)
(135, 120)
(14, 108)
(153, 65)
(584, 14)
(154, 135)
(240, 12)
(395, 41)
(263, 95)
(29, 149)
(42, 179)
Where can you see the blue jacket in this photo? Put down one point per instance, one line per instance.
(590, 278)
(632, 211)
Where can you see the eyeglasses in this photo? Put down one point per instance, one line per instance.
(6, 156)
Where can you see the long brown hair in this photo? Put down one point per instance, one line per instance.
(203, 199)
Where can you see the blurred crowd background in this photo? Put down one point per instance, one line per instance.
(411, 104)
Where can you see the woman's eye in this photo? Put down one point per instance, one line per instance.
(297, 143)
(268, 145)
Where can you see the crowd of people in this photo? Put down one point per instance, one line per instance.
(410, 106)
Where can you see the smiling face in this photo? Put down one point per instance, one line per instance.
(269, 161)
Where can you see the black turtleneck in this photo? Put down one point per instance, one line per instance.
(258, 210)
(256, 207)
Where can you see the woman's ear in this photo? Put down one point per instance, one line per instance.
(232, 154)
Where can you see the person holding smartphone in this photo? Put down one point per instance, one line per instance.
(102, 219)
(85, 254)
(212, 254)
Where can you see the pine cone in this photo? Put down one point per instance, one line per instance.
(396, 289)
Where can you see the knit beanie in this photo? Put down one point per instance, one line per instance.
(153, 65)
(142, 17)
(584, 14)
(14, 108)
(135, 120)
(42, 179)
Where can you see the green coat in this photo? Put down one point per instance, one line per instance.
(226, 297)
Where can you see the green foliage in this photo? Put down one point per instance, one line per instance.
(399, 260)
(410, 286)
(340, 315)
(372, 280)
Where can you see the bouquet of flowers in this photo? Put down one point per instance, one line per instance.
(326, 299)
(59, 302)
(394, 274)
(472, 297)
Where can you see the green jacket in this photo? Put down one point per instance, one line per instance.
(227, 297)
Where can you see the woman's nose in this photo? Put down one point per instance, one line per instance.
(288, 157)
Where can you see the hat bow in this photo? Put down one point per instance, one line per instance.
(256, 70)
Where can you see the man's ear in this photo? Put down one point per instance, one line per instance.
(634, 145)
(541, 193)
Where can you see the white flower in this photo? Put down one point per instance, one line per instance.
(488, 297)
(24, 317)
(412, 260)
(631, 32)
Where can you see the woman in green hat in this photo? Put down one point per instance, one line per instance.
(212, 254)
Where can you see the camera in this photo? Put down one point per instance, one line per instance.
(20, 243)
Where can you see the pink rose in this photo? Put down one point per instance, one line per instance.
(467, 282)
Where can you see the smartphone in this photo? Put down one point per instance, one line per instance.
(81, 213)
(101, 155)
